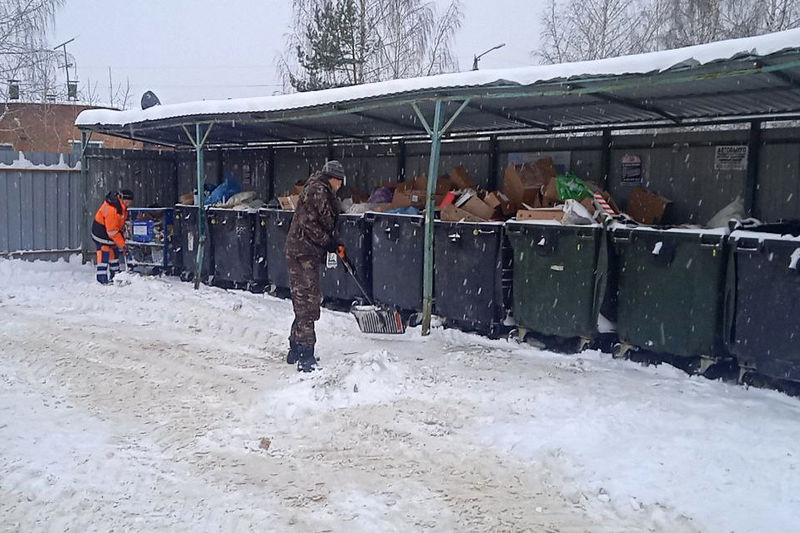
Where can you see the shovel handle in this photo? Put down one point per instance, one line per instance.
(348, 266)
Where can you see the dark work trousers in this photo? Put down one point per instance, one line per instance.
(306, 298)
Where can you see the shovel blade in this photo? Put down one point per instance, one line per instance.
(373, 319)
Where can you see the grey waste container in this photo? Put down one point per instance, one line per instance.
(186, 221)
(232, 234)
(472, 270)
(764, 289)
(397, 260)
(355, 232)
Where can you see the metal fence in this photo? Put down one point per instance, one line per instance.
(40, 202)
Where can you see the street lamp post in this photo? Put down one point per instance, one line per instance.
(477, 58)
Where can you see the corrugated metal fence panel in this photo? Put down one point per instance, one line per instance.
(778, 196)
(150, 174)
(38, 210)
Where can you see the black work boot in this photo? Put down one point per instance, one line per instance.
(306, 361)
(294, 353)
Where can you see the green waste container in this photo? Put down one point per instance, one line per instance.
(560, 276)
(670, 294)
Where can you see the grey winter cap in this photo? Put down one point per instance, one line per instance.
(334, 169)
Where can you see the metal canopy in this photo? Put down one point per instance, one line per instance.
(746, 88)
(553, 99)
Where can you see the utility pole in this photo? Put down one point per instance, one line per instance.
(71, 91)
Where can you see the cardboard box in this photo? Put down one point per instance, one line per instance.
(550, 193)
(646, 207)
(289, 203)
(186, 199)
(477, 207)
(443, 184)
(493, 200)
(588, 203)
(523, 184)
(551, 213)
(413, 198)
(451, 213)
(460, 178)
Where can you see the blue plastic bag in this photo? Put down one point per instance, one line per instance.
(224, 190)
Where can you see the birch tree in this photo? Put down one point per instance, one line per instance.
(24, 53)
(575, 30)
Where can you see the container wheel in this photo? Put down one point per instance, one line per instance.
(622, 350)
(517, 335)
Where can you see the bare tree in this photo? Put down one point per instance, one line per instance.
(348, 42)
(575, 30)
(24, 54)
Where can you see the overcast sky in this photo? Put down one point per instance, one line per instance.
(187, 50)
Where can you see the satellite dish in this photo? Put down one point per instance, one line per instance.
(149, 99)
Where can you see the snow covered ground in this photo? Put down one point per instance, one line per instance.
(142, 407)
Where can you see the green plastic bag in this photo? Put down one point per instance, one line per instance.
(570, 186)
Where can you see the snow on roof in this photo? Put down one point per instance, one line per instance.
(763, 45)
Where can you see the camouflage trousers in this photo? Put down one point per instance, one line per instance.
(306, 298)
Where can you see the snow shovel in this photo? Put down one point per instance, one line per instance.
(372, 318)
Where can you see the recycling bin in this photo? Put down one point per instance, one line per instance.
(765, 282)
(186, 221)
(670, 292)
(150, 245)
(277, 228)
(397, 260)
(472, 270)
(232, 233)
(560, 277)
(355, 232)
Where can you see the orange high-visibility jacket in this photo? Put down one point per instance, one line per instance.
(109, 222)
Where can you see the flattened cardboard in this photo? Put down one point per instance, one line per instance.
(451, 213)
(289, 203)
(478, 207)
(460, 179)
(646, 207)
(523, 184)
(551, 213)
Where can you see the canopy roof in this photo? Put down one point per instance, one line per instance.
(736, 80)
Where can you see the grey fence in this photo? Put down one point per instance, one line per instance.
(40, 202)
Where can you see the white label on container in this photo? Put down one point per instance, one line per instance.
(139, 230)
(332, 260)
(730, 158)
(190, 241)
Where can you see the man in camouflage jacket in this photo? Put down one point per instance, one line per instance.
(310, 236)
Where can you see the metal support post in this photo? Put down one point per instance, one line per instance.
(494, 162)
(433, 173)
(198, 144)
(201, 227)
(270, 173)
(436, 131)
(401, 161)
(605, 158)
(753, 157)
(84, 225)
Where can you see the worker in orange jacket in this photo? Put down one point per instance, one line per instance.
(107, 233)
